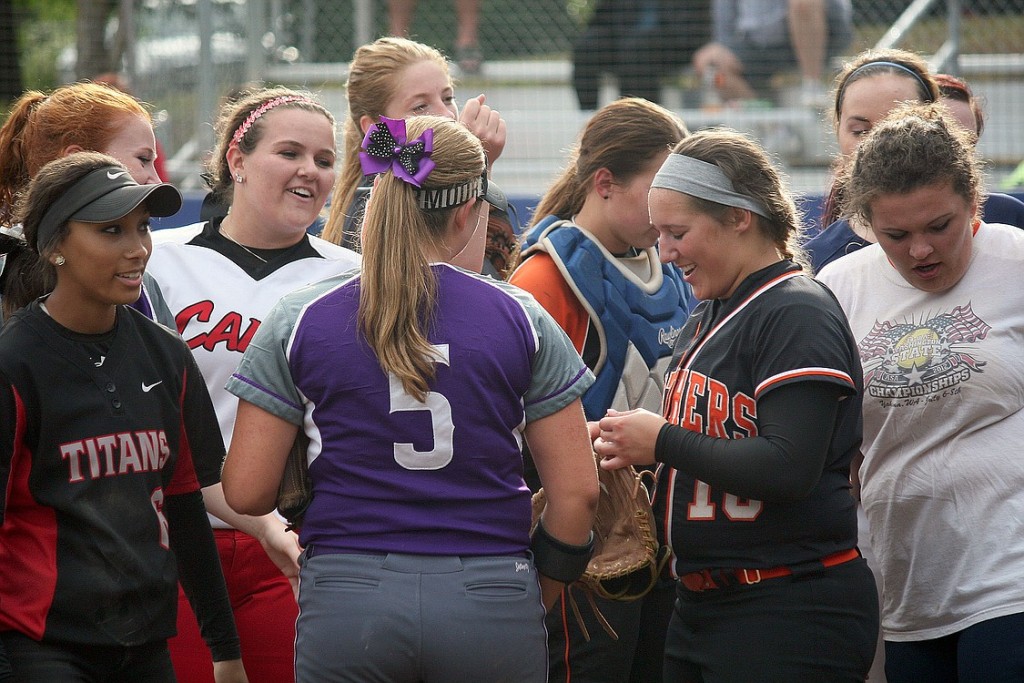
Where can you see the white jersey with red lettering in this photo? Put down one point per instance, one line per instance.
(219, 293)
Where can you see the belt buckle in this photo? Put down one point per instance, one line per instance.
(746, 576)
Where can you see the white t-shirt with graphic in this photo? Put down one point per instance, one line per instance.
(943, 474)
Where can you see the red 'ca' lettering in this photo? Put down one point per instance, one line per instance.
(228, 330)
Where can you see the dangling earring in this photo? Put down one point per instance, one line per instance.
(238, 178)
(59, 260)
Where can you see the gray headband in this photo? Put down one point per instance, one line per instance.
(700, 179)
(105, 194)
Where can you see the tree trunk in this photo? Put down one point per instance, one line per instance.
(10, 66)
(93, 56)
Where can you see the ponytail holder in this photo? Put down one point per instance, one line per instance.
(385, 147)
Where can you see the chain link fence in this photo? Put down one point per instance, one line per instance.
(184, 56)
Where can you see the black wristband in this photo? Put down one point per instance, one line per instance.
(558, 560)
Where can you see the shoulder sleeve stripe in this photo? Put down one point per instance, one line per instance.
(283, 399)
(805, 373)
(574, 380)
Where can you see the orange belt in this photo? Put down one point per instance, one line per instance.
(709, 579)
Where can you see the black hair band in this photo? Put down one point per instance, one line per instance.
(884, 63)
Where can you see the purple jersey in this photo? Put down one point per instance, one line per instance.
(393, 474)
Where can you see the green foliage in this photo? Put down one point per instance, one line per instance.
(40, 42)
(47, 10)
(580, 10)
(45, 27)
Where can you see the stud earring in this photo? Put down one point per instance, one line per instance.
(239, 178)
(59, 260)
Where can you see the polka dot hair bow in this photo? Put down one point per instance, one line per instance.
(385, 147)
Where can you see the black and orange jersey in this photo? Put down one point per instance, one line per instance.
(779, 327)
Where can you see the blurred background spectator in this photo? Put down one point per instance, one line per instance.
(961, 102)
(468, 54)
(640, 42)
(531, 71)
(754, 40)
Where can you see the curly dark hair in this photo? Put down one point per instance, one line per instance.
(915, 146)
